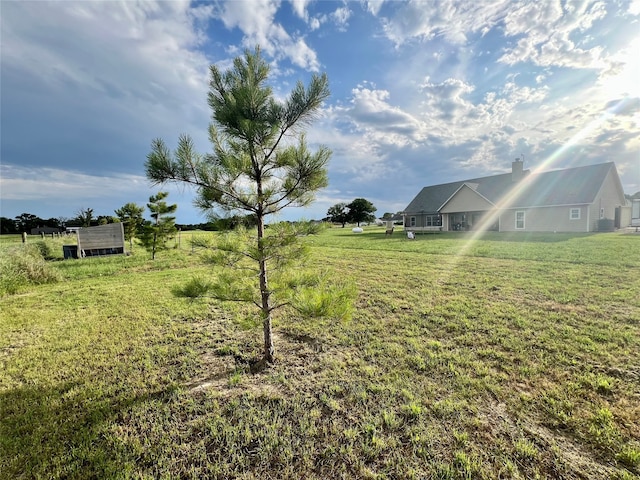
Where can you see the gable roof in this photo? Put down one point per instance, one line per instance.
(571, 186)
(431, 199)
(470, 186)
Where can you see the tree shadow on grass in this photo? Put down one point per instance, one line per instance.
(62, 431)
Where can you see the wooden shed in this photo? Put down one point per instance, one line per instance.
(101, 240)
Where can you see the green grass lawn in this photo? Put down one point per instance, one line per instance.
(504, 356)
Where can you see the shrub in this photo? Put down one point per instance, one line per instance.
(24, 265)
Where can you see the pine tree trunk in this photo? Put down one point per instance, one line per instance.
(265, 294)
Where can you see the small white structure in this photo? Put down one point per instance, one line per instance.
(357, 230)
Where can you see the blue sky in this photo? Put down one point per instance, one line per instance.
(422, 92)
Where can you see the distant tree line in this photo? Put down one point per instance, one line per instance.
(130, 214)
(221, 224)
(25, 222)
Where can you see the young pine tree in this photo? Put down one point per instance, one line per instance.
(162, 227)
(130, 214)
(256, 169)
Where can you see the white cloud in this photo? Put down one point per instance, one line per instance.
(122, 59)
(373, 6)
(152, 37)
(256, 20)
(370, 108)
(300, 8)
(374, 122)
(378, 139)
(20, 183)
(453, 20)
(300, 54)
(63, 192)
(314, 23)
(546, 30)
(341, 17)
(453, 118)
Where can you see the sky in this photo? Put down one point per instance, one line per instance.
(422, 92)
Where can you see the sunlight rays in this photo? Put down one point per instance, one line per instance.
(520, 188)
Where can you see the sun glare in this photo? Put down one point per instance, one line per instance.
(622, 86)
(626, 81)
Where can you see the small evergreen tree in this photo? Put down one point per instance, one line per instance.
(256, 169)
(162, 227)
(130, 214)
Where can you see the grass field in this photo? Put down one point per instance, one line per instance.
(504, 356)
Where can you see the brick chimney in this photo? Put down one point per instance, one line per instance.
(517, 169)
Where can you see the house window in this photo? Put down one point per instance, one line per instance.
(520, 220)
(574, 214)
(601, 213)
(412, 221)
(433, 221)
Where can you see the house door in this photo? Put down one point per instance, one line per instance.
(476, 218)
(616, 221)
(458, 221)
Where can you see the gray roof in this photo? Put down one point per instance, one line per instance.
(430, 199)
(571, 186)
